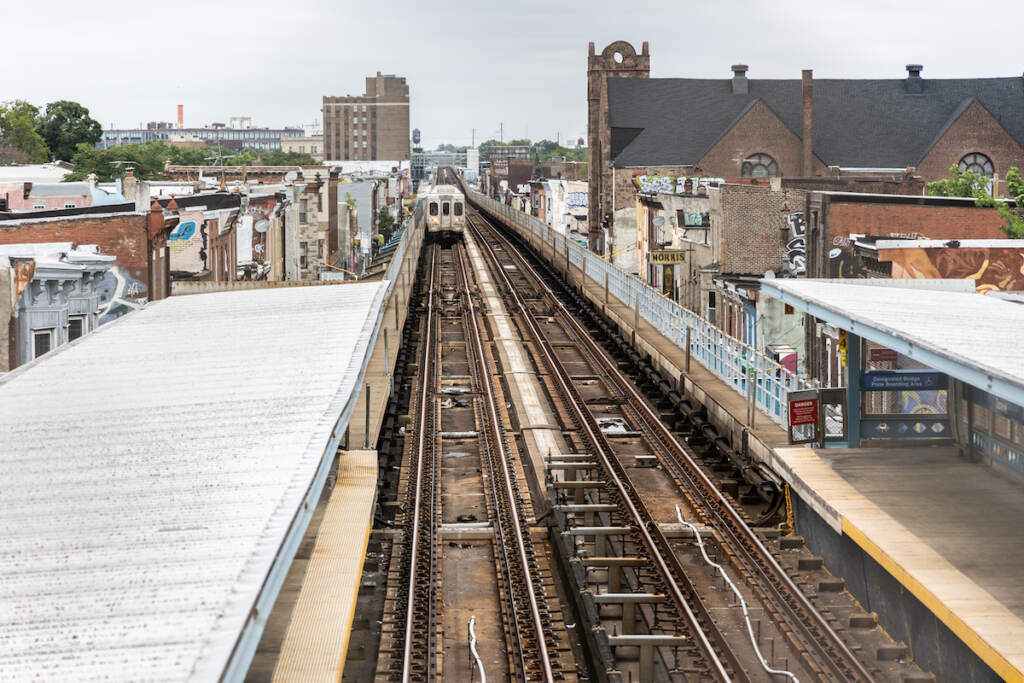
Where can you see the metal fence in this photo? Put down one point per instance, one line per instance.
(739, 365)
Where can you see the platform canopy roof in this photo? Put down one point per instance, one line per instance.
(157, 477)
(942, 323)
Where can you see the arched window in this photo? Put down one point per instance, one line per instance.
(759, 166)
(978, 163)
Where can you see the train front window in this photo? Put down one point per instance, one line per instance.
(433, 208)
(447, 208)
(458, 208)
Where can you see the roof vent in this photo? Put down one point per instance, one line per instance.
(739, 79)
(914, 82)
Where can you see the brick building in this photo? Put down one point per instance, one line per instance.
(369, 127)
(138, 242)
(833, 217)
(742, 128)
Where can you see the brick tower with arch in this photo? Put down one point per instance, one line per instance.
(617, 60)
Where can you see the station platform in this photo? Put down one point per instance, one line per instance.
(947, 530)
(160, 473)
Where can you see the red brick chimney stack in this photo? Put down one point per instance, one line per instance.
(807, 149)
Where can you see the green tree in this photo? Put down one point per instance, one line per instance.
(971, 184)
(65, 125)
(279, 158)
(960, 184)
(147, 161)
(1014, 217)
(18, 134)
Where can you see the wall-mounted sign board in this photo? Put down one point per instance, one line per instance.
(668, 256)
(903, 380)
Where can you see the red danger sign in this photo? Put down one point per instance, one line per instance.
(883, 355)
(803, 412)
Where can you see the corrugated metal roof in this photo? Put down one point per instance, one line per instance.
(152, 469)
(973, 331)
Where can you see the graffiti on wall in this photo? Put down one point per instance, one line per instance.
(795, 260)
(991, 268)
(576, 199)
(655, 184)
(695, 185)
(665, 184)
(120, 294)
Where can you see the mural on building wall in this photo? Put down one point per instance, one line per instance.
(990, 268)
(795, 260)
(187, 243)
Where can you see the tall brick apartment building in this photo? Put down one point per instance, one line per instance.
(370, 127)
(743, 128)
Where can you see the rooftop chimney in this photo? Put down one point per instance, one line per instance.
(181, 116)
(806, 146)
(914, 82)
(739, 79)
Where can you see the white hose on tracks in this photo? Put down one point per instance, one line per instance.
(472, 650)
(743, 603)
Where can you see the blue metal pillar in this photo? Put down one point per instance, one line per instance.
(854, 367)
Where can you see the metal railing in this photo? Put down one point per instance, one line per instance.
(741, 366)
(414, 230)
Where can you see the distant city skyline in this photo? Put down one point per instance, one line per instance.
(520, 67)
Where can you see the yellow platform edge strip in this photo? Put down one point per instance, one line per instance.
(954, 623)
(303, 657)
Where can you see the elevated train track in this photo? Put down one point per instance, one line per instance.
(832, 658)
(468, 546)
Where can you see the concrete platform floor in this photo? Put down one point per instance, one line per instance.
(950, 531)
(969, 513)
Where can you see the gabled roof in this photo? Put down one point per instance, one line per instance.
(857, 122)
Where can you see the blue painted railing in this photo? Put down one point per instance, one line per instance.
(729, 359)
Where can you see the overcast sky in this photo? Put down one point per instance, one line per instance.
(469, 64)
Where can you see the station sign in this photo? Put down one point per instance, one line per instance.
(903, 380)
(668, 256)
(803, 412)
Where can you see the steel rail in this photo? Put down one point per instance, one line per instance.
(425, 405)
(627, 493)
(724, 517)
(509, 488)
(727, 520)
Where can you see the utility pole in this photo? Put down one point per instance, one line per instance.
(473, 138)
(501, 132)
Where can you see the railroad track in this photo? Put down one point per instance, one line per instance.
(828, 656)
(528, 617)
(693, 625)
(417, 575)
(533, 633)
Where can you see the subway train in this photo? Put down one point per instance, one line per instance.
(445, 208)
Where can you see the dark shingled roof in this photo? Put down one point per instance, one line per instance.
(857, 122)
